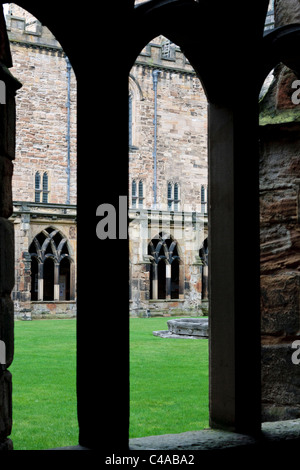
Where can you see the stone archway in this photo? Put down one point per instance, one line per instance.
(165, 271)
(229, 97)
(50, 249)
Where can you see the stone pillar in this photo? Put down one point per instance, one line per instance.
(41, 282)
(72, 280)
(56, 281)
(26, 295)
(235, 352)
(7, 250)
(205, 282)
(168, 281)
(154, 282)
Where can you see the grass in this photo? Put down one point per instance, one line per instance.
(168, 381)
(44, 385)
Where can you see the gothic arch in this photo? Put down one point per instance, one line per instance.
(190, 25)
(135, 88)
(135, 95)
(280, 45)
(51, 281)
(231, 47)
(166, 267)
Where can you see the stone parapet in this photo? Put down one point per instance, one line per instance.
(153, 56)
(28, 31)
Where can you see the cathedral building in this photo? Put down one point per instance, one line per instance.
(167, 184)
(44, 177)
(167, 159)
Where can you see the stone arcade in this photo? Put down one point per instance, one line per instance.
(44, 177)
(167, 183)
(235, 326)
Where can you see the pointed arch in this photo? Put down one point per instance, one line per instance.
(135, 95)
(52, 254)
(165, 273)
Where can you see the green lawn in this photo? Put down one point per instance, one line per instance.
(168, 381)
(44, 385)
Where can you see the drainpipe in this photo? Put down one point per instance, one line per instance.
(68, 129)
(155, 79)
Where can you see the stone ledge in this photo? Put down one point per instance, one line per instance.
(212, 439)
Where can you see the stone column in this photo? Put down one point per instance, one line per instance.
(7, 250)
(168, 282)
(41, 282)
(56, 281)
(72, 280)
(235, 379)
(154, 282)
(205, 282)
(26, 295)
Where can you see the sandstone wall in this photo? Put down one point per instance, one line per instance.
(181, 155)
(41, 107)
(280, 247)
(181, 127)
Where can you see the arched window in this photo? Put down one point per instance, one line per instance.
(133, 193)
(176, 197)
(37, 187)
(170, 200)
(41, 186)
(141, 193)
(173, 196)
(45, 188)
(203, 199)
(137, 194)
(51, 267)
(165, 272)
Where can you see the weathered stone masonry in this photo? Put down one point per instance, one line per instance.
(44, 178)
(280, 245)
(167, 182)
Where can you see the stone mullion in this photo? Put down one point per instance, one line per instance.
(56, 281)
(154, 281)
(72, 280)
(168, 281)
(41, 281)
